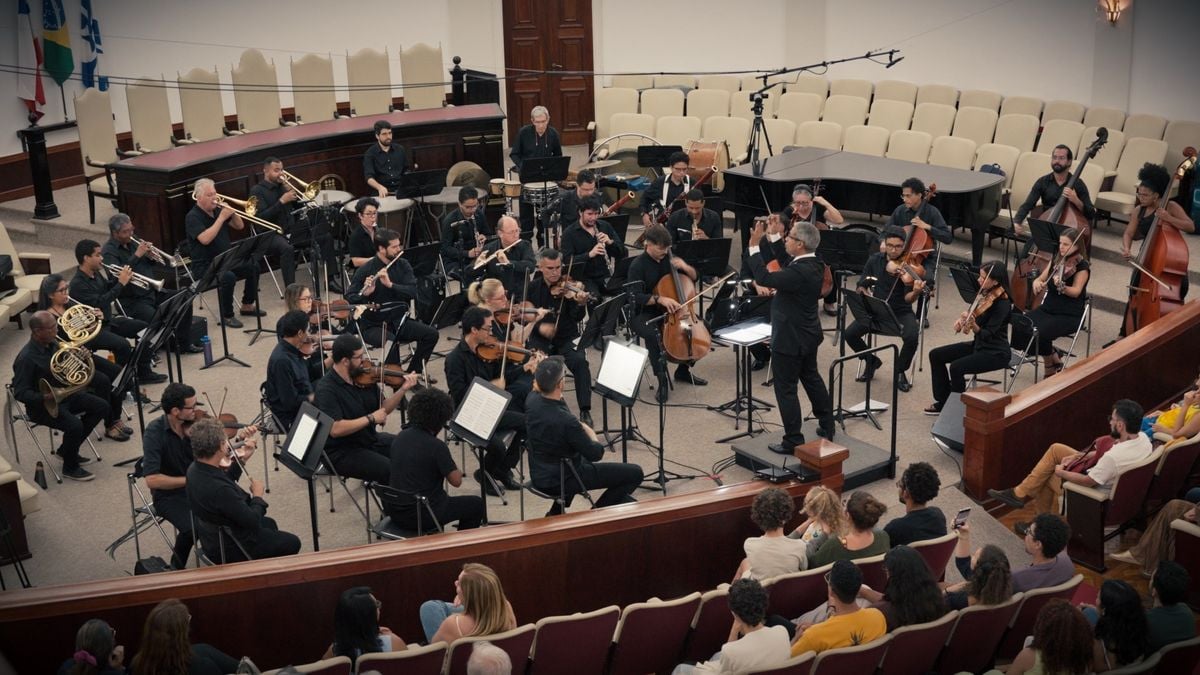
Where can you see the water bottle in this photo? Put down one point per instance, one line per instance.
(206, 342)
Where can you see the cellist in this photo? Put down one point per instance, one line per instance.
(918, 212)
(1153, 180)
(648, 268)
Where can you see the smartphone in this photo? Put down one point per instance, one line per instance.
(961, 517)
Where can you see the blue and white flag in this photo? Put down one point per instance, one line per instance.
(92, 48)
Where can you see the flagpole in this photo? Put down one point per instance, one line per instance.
(63, 93)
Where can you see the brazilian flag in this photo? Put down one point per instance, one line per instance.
(56, 42)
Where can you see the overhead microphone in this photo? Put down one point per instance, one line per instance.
(892, 60)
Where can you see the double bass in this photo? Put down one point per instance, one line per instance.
(1063, 213)
(685, 338)
(1161, 266)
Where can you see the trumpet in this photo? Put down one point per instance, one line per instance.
(246, 208)
(160, 256)
(308, 191)
(139, 280)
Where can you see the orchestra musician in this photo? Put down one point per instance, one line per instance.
(355, 447)
(289, 379)
(795, 331)
(556, 331)
(464, 232)
(535, 140)
(208, 233)
(590, 249)
(275, 199)
(78, 414)
(1153, 181)
(666, 189)
(298, 296)
(492, 296)
(916, 211)
(1050, 187)
(895, 285)
(569, 202)
(988, 319)
(464, 364)
(393, 289)
(511, 258)
(653, 264)
(810, 207)
(137, 302)
(361, 244)
(694, 221)
(1064, 284)
(384, 162)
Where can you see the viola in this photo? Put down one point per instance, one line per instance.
(341, 309)
(522, 311)
(983, 302)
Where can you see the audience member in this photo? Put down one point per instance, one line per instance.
(1062, 643)
(987, 574)
(912, 595)
(356, 629)
(488, 659)
(1170, 619)
(862, 540)
(1178, 421)
(826, 517)
(96, 651)
(1158, 541)
(165, 647)
(773, 553)
(1122, 635)
(479, 608)
(1046, 540)
(918, 485)
(850, 624)
(752, 644)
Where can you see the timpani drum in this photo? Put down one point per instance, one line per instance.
(702, 156)
(393, 212)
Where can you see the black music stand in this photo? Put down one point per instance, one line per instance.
(417, 185)
(475, 422)
(1045, 234)
(656, 156)
(239, 252)
(966, 280)
(742, 336)
(543, 170)
(304, 450)
(619, 222)
(880, 320)
(616, 283)
(710, 257)
(846, 252)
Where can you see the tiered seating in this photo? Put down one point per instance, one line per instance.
(979, 98)
(1021, 105)
(891, 115)
(851, 87)
(1059, 132)
(912, 146)
(942, 94)
(662, 102)
(706, 103)
(1144, 126)
(1110, 154)
(846, 111)
(975, 123)
(935, 119)
(1096, 516)
(866, 140)
(1063, 110)
(1018, 130)
(895, 90)
(957, 153)
(1110, 118)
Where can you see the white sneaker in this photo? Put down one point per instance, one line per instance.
(1125, 557)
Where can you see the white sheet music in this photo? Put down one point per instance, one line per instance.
(481, 410)
(621, 369)
(306, 426)
(746, 333)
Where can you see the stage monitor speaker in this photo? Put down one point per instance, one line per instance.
(949, 425)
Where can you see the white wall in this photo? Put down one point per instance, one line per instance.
(1164, 79)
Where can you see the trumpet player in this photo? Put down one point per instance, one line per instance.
(208, 225)
(91, 288)
(464, 232)
(276, 199)
(78, 414)
(695, 221)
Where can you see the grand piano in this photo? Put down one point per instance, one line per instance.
(862, 183)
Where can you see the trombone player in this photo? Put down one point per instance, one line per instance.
(208, 225)
(78, 413)
(276, 197)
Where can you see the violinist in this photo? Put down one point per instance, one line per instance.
(987, 318)
(355, 447)
(1064, 284)
(810, 207)
(666, 189)
(899, 286)
(1049, 188)
(591, 249)
(464, 363)
(1153, 181)
(289, 382)
(361, 245)
(388, 280)
(464, 232)
(648, 268)
(510, 258)
(555, 332)
(795, 331)
(694, 221)
(490, 295)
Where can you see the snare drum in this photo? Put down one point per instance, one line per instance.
(540, 193)
(512, 189)
(496, 186)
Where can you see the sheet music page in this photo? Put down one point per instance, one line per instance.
(481, 410)
(306, 426)
(619, 370)
(747, 334)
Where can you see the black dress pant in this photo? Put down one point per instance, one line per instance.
(226, 282)
(498, 458)
(618, 479)
(1050, 327)
(280, 247)
(174, 507)
(268, 542)
(143, 308)
(77, 416)
(950, 364)
(909, 334)
(466, 510)
(403, 331)
(576, 362)
(789, 372)
(373, 463)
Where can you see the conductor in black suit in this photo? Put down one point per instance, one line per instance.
(795, 330)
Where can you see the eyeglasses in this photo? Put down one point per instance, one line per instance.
(827, 576)
(1143, 194)
(370, 214)
(305, 297)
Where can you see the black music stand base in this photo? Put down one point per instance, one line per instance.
(743, 399)
(226, 355)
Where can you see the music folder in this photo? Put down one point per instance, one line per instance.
(305, 443)
(479, 414)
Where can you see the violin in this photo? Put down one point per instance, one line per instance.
(372, 372)
(492, 350)
(568, 289)
(309, 345)
(522, 311)
(982, 303)
(341, 309)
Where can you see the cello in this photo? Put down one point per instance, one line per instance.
(685, 338)
(1063, 213)
(1161, 266)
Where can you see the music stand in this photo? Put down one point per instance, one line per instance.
(619, 222)
(742, 336)
(710, 257)
(303, 451)
(423, 258)
(656, 156)
(616, 283)
(475, 422)
(418, 185)
(880, 320)
(259, 249)
(238, 253)
(1045, 234)
(966, 281)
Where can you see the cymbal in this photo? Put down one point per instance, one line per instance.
(599, 164)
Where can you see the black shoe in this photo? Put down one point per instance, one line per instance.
(688, 377)
(231, 322)
(489, 487)
(585, 416)
(192, 349)
(78, 474)
(781, 449)
(830, 310)
(1008, 497)
(115, 434)
(759, 364)
(1021, 528)
(933, 409)
(509, 481)
(868, 372)
(664, 389)
(151, 377)
(251, 311)
(826, 432)
(902, 383)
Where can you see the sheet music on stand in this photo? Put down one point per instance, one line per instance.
(480, 411)
(621, 371)
(745, 333)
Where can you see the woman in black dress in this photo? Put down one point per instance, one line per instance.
(1064, 284)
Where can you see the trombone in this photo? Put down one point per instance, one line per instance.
(160, 256)
(139, 280)
(246, 208)
(307, 191)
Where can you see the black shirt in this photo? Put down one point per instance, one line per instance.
(344, 400)
(680, 224)
(386, 167)
(648, 271)
(1057, 303)
(571, 312)
(992, 335)
(929, 213)
(552, 432)
(1047, 190)
(653, 199)
(216, 499)
(167, 454)
(919, 525)
(32, 364)
(269, 207)
(816, 215)
(198, 221)
(458, 234)
(288, 383)
(521, 261)
(95, 291)
(568, 208)
(361, 243)
(577, 242)
(404, 290)
(121, 256)
(420, 462)
(531, 146)
(885, 286)
(463, 366)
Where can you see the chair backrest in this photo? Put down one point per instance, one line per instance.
(1137, 152)
(1004, 155)
(935, 119)
(951, 151)
(631, 123)
(1109, 155)
(676, 129)
(1147, 665)
(97, 130)
(578, 643)
(780, 132)
(662, 102)
(200, 104)
(1017, 130)
(728, 83)
(975, 636)
(866, 140)
(891, 115)
(369, 74)
(909, 145)
(799, 107)
(847, 111)
(1021, 105)
(874, 574)
(915, 649)
(980, 98)
(1174, 468)
(680, 82)
(863, 658)
(1032, 602)
(516, 643)
(706, 103)
(937, 552)
(1104, 117)
(1093, 176)
(1143, 125)
(1063, 110)
(895, 90)
(424, 76)
(650, 635)
(797, 665)
(851, 87)
(1179, 657)
(735, 131)
(610, 101)
(1179, 135)
(255, 93)
(312, 93)
(975, 123)
(740, 104)
(149, 115)
(811, 84)
(937, 93)
(637, 82)
(710, 626)
(1030, 167)
(338, 665)
(1129, 490)
(795, 593)
(416, 660)
(826, 135)
(1059, 132)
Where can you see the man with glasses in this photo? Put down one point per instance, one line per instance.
(514, 258)
(464, 232)
(1046, 542)
(665, 190)
(557, 327)
(810, 207)
(1043, 485)
(361, 245)
(384, 162)
(849, 624)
